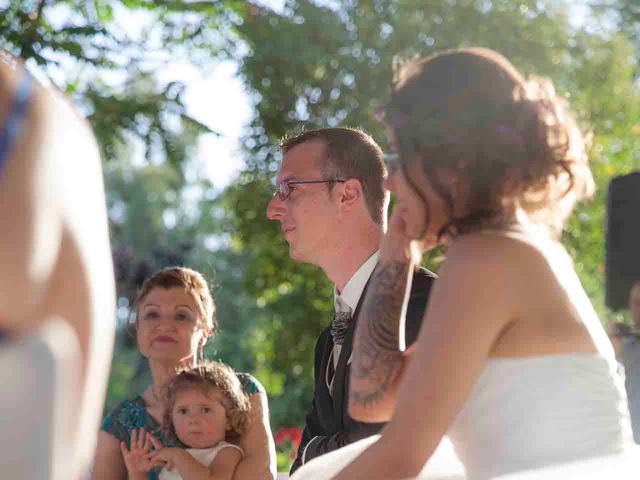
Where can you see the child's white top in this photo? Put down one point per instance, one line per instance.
(203, 455)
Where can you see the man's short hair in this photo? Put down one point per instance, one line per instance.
(350, 153)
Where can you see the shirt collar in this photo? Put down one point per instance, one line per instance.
(352, 291)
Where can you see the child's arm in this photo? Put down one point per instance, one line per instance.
(189, 468)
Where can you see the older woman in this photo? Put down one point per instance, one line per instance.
(512, 362)
(175, 318)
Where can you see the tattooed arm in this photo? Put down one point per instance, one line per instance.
(391, 310)
(378, 352)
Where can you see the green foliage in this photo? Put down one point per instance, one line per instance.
(86, 50)
(122, 373)
(603, 72)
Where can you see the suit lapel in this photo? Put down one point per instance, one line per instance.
(323, 398)
(339, 383)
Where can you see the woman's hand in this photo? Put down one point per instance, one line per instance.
(397, 243)
(136, 457)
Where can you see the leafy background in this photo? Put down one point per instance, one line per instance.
(319, 63)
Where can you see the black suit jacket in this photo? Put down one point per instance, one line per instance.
(328, 425)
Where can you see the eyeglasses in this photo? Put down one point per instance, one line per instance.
(285, 187)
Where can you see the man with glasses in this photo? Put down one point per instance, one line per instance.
(331, 205)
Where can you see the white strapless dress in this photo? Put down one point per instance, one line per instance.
(555, 413)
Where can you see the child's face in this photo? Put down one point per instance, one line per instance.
(199, 417)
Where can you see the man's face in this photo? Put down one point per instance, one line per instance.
(308, 215)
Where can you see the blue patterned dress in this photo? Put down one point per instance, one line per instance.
(132, 414)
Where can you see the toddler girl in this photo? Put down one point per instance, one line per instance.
(205, 408)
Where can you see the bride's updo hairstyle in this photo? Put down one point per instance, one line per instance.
(513, 140)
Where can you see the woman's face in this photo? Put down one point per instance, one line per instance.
(169, 328)
(422, 212)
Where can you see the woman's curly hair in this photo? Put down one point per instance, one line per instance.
(470, 112)
(210, 376)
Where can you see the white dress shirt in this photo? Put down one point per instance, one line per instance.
(350, 295)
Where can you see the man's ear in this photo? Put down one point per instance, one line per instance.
(351, 192)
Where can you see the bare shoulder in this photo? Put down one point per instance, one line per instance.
(496, 251)
(501, 264)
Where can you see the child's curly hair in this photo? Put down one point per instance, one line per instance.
(208, 376)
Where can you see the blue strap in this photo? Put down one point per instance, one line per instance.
(15, 118)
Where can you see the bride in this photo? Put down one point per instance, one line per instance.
(512, 363)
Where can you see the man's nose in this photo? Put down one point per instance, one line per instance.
(275, 208)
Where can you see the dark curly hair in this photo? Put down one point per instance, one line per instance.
(208, 376)
(470, 112)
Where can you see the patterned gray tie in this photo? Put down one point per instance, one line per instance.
(339, 327)
(341, 321)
